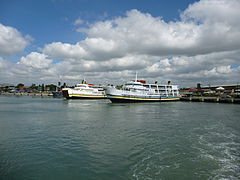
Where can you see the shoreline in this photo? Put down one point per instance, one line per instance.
(231, 100)
(27, 94)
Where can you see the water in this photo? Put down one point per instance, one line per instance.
(47, 138)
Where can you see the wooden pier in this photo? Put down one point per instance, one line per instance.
(212, 99)
(43, 94)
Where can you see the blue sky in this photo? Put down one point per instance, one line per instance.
(105, 41)
(53, 20)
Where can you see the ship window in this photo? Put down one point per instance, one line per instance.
(161, 87)
(128, 84)
(153, 87)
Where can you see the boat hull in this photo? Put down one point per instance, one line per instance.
(137, 99)
(57, 94)
(68, 95)
(86, 97)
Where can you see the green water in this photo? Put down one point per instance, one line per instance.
(57, 139)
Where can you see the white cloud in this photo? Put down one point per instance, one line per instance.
(11, 73)
(203, 46)
(78, 21)
(36, 60)
(141, 33)
(64, 50)
(216, 71)
(11, 41)
(4, 64)
(212, 11)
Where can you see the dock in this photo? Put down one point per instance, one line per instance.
(43, 94)
(212, 99)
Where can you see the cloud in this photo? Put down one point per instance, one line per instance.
(4, 64)
(141, 33)
(213, 11)
(78, 21)
(36, 60)
(11, 41)
(203, 46)
(11, 72)
(88, 49)
(65, 50)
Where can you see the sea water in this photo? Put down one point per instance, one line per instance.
(48, 139)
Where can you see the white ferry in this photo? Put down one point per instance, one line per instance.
(139, 91)
(84, 91)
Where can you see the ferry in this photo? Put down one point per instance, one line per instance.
(84, 91)
(140, 91)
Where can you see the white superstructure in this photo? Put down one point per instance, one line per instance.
(84, 91)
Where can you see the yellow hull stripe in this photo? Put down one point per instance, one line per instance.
(80, 95)
(125, 97)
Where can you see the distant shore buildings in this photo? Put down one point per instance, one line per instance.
(210, 90)
(21, 88)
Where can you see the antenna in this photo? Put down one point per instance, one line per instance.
(136, 77)
(84, 81)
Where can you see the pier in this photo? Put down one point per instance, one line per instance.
(212, 99)
(43, 94)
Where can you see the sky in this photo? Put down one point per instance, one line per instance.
(107, 42)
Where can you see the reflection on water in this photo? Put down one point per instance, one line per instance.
(45, 138)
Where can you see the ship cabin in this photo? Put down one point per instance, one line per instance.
(156, 89)
(84, 87)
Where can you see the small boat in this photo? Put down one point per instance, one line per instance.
(57, 94)
(140, 91)
(84, 91)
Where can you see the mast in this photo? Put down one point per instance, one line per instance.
(136, 77)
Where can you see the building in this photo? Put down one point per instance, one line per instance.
(226, 87)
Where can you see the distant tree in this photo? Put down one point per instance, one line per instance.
(51, 87)
(6, 89)
(42, 87)
(39, 88)
(20, 85)
(33, 86)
